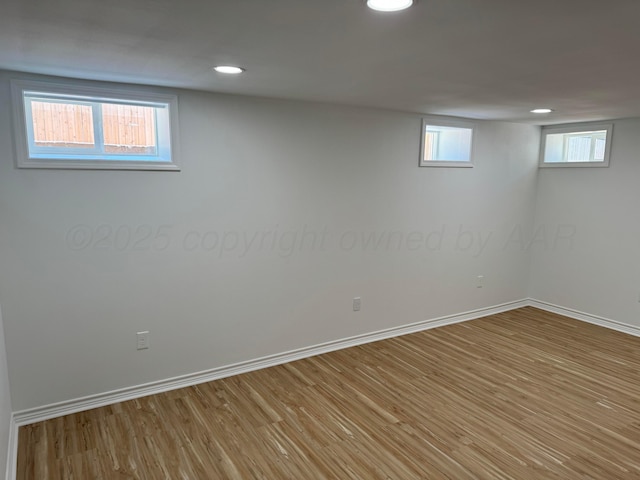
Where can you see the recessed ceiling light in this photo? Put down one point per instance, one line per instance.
(389, 5)
(228, 69)
(541, 110)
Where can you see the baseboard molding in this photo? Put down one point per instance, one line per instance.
(46, 412)
(585, 317)
(12, 450)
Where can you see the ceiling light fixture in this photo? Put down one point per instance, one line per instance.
(228, 69)
(541, 110)
(389, 5)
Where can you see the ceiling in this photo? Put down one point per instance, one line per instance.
(489, 59)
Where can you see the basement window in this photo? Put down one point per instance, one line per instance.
(86, 127)
(582, 145)
(446, 143)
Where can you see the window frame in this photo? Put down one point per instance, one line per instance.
(94, 158)
(447, 122)
(576, 128)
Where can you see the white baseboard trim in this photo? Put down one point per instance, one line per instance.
(585, 317)
(25, 417)
(12, 450)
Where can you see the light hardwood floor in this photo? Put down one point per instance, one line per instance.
(519, 395)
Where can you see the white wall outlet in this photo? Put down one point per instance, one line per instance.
(480, 281)
(356, 304)
(143, 340)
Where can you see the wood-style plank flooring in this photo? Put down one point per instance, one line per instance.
(520, 395)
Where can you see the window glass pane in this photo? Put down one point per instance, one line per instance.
(129, 129)
(450, 144)
(578, 148)
(64, 127)
(62, 124)
(599, 149)
(575, 147)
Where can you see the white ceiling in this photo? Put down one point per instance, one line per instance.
(493, 59)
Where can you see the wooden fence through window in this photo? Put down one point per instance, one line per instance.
(125, 128)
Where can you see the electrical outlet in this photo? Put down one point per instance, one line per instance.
(480, 281)
(356, 304)
(143, 340)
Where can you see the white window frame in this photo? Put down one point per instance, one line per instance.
(30, 156)
(447, 122)
(576, 128)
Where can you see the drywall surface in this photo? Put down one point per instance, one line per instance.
(594, 265)
(282, 213)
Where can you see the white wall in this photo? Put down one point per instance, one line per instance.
(5, 402)
(598, 272)
(251, 166)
